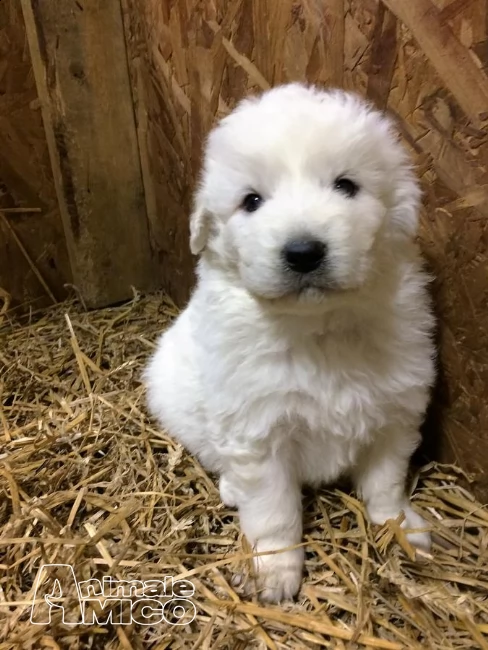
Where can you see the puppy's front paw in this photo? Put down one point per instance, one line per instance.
(278, 574)
(418, 538)
(228, 494)
(413, 522)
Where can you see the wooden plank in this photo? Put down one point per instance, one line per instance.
(80, 65)
(26, 180)
(452, 61)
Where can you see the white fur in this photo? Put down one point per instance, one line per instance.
(275, 381)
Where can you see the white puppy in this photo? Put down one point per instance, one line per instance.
(305, 352)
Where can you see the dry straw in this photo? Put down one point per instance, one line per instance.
(86, 479)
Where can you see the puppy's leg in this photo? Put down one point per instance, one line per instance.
(227, 491)
(269, 500)
(380, 478)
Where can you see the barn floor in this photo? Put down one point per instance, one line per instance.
(87, 480)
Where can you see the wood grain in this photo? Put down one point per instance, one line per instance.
(80, 66)
(450, 58)
(26, 179)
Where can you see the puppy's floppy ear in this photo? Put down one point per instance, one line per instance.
(406, 194)
(406, 205)
(200, 221)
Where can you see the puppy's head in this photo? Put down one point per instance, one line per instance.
(302, 190)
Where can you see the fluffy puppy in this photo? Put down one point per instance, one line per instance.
(305, 352)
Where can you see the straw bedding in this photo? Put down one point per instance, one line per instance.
(87, 479)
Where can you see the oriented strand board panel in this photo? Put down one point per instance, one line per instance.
(80, 65)
(425, 61)
(25, 177)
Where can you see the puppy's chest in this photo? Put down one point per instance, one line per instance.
(340, 389)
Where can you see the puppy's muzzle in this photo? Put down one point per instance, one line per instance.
(304, 255)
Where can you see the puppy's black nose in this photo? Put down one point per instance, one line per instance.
(304, 255)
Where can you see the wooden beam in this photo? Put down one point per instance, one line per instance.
(80, 66)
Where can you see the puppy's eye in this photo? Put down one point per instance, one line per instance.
(346, 186)
(252, 202)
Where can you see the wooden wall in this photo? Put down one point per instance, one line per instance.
(423, 60)
(25, 178)
(129, 90)
(72, 201)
